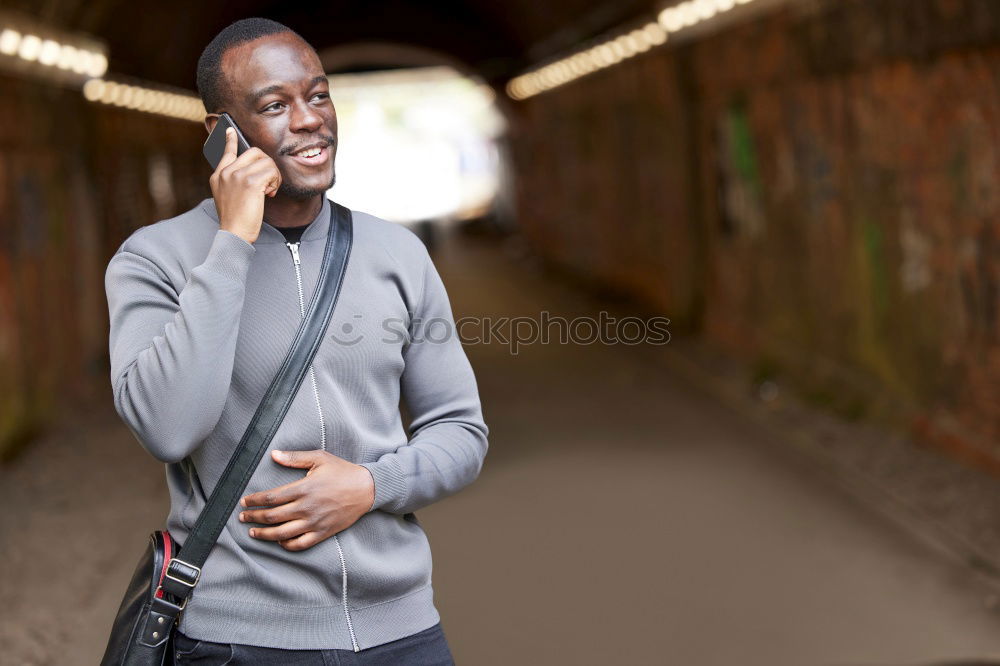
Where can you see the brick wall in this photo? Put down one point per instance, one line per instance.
(75, 179)
(816, 191)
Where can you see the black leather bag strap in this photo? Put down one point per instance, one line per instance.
(184, 570)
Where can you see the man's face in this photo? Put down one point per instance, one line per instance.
(280, 99)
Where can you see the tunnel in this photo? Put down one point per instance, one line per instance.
(727, 273)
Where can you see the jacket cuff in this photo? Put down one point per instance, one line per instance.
(390, 481)
(229, 255)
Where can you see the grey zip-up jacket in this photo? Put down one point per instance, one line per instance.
(201, 321)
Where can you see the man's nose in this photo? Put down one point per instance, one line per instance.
(305, 118)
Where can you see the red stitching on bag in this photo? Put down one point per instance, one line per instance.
(167, 543)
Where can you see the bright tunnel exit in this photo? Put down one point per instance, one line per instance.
(417, 144)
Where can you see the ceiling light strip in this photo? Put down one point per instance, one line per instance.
(622, 45)
(180, 105)
(29, 46)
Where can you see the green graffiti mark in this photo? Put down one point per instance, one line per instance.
(875, 348)
(743, 153)
(875, 251)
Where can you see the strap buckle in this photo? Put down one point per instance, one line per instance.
(183, 572)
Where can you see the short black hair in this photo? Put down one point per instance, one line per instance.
(212, 86)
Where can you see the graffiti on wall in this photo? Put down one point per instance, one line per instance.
(862, 165)
(741, 211)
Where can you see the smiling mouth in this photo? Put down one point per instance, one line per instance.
(312, 156)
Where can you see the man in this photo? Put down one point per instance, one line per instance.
(325, 557)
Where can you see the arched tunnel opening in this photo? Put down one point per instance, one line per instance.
(429, 134)
(671, 326)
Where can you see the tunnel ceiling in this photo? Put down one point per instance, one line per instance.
(161, 41)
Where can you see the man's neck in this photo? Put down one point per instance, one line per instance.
(286, 212)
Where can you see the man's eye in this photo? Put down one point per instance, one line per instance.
(321, 95)
(270, 107)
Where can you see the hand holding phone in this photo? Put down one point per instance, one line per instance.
(240, 182)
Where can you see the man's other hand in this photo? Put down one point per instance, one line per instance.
(331, 497)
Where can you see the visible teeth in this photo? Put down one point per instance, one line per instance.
(312, 152)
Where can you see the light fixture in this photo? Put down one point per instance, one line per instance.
(616, 48)
(139, 96)
(29, 47)
(9, 41)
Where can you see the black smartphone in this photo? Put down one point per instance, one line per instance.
(215, 145)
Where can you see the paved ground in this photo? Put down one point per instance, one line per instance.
(623, 516)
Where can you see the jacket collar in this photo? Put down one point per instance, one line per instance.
(317, 229)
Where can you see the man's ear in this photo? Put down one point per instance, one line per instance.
(210, 120)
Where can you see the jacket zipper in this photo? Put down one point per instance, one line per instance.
(294, 248)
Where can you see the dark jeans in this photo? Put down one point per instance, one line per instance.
(424, 648)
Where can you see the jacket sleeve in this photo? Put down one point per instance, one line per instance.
(172, 353)
(448, 435)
